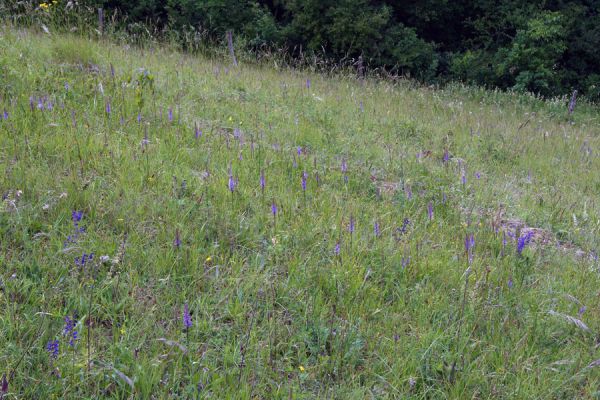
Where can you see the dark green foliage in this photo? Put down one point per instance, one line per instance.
(545, 47)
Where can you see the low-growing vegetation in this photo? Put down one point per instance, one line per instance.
(173, 226)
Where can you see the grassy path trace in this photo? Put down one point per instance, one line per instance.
(175, 227)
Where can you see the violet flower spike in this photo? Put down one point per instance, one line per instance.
(274, 209)
(303, 181)
(177, 241)
(351, 225)
(430, 211)
(405, 261)
(377, 229)
(52, 348)
(523, 241)
(231, 184)
(262, 181)
(170, 114)
(336, 249)
(187, 318)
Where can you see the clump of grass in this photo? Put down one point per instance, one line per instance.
(73, 50)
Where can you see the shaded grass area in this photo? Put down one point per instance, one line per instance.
(309, 302)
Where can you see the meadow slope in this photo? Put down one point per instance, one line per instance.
(176, 227)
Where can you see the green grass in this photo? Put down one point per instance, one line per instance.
(276, 313)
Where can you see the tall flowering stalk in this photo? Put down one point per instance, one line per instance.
(231, 185)
(303, 184)
(187, 321)
(351, 226)
(274, 213)
(177, 240)
(523, 241)
(469, 244)
(344, 169)
(430, 211)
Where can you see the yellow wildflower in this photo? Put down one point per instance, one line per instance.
(301, 368)
(208, 259)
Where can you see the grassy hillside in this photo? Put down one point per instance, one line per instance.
(346, 275)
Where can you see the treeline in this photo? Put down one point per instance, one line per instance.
(549, 47)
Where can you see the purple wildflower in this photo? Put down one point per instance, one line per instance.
(262, 181)
(430, 211)
(351, 225)
(405, 261)
(5, 115)
(170, 113)
(523, 241)
(76, 217)
(69, 325)
(361, 107)
(477, 175)
(469, 244)
(510, 283)
(274, 209)
(107, 108)
(377, 229)
(463, 179)
(344, 166)
(408, 192)
(139, 117)
(231, 184)
(581, 311)
(299, 150)
(187, 318)
(446, 156)
(303, 182)
(197, 132)
(81, 261)
(336, 249)
(67, 86)
(52, 348)
(177, 241)
(74, 337)
(308, 83)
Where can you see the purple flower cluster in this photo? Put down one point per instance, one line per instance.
(69, 331)
(469, 245)
(523, 241)
(76, 217)
(41, 103)
(377, 229)
(81, 261)
(187, 318)
(52, 348)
